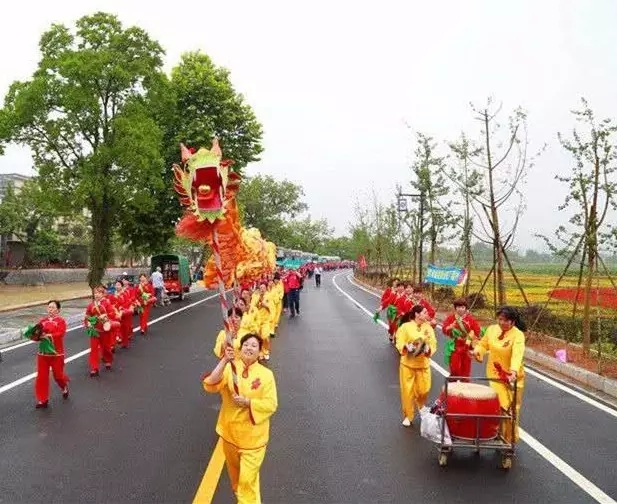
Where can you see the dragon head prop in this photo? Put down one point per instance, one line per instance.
(202, 182)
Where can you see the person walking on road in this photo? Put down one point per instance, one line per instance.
(416, 342)
(505, 344)
(244, 419)
(158, 284)
(294, 278)
(317, 272)
(54, 328)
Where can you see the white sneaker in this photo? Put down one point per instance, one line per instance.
(406, 422)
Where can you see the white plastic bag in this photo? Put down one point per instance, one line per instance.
(430, 427)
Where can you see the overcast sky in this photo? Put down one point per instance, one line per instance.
(335, 82)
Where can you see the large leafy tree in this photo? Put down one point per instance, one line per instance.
(85, 113)
(197, 103)
(269, 205)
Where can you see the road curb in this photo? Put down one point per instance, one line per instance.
(600, 383)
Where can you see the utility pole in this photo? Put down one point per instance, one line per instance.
(402, 207)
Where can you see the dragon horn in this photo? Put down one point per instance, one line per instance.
(216, 149)
(185, 153)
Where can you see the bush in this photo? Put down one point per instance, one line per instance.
(476, 301)
(444, 295)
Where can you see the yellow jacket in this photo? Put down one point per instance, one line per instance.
(508, 351)
(219, 346)
(246, 428)
(410, 332)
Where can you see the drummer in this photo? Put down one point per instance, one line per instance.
(505, 344)
(463, 330)
(415, 340)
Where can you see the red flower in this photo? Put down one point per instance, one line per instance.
(256, 383)
(192, 150)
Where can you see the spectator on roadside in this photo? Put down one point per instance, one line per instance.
(318, 272)
(158, 284)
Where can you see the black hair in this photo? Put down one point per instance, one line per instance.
(510, 313)
(236, 311)
(411, 314)
(277, 276)
(461, 302)
(56, 302)
(252, 335)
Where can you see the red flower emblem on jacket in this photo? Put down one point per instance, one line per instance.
(256, 383)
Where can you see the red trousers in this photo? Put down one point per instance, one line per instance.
(460, 362)
(41, 383)
(101, 346)
(126, 330)
(143, 318)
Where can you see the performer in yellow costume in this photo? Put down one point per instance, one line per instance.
(276, 295)
(235, 324)
(244, 419)
(416, 342)
(505, 343)
(261, 308)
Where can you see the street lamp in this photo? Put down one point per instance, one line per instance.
(402, 207)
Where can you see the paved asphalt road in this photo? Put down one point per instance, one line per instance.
(144, 431)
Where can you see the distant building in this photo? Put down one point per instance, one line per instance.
(8, 252)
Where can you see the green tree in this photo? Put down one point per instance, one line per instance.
(197, 103)
(86, 116)
(307, 235)
(269, 204)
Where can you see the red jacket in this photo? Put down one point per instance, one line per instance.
(144, 289)
(294, 280)
(94, 310)
(470, 324)
(56, 326)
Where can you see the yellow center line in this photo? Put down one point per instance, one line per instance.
(207, 487)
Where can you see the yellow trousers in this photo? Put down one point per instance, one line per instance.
(415, 386)
(276, 318)
(243, 468)
(506, 397)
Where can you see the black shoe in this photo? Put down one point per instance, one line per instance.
(41, 405)
(65, 392)
(273, 335)
(94, 373)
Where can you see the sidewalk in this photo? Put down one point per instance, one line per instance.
(603, 387)
(14, 297)
(15, 320)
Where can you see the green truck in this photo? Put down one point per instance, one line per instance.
(176, 273)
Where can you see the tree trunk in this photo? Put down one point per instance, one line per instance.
(587, 306)
(467, 246)
(499, 281)
(100, 243)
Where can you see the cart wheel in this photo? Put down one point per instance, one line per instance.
(443, 459)
(506, 462)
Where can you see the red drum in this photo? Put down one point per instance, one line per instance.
(472, 399)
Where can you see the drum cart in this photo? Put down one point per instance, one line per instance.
(499, 443)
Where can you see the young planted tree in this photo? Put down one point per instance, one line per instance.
(429, 181)
(85, 115)
(500, 175)
(592, 186)
(467, 181)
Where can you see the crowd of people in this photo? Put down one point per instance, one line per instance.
(411, 329)
(108, 321)
(247, 387)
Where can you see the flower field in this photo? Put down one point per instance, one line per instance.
(538, 287)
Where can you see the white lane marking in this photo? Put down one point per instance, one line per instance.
(25, 343)
(31, 376)
(556, 461)
(546, 379)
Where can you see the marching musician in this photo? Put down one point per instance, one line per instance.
(277, 298)
(125, 307)
(144, 299)
(463, 330)
(244, 419)
(416, 342)
(262, 309)
(505, 344)
(98, 318)
(54, 328)
(419, 299)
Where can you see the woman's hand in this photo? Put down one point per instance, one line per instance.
(229, 354)
(411, 348)
(512, 377)
(241, 401)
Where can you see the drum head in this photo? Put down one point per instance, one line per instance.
(471, 390)
(420, 347)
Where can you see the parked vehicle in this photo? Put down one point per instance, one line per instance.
(176, 273)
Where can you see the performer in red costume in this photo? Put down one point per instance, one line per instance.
(144, 299)
(128, 291)
(464, 329)
(115, 300)
(124, 301)
(419, 299)
(99, 315)
(54, 327)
